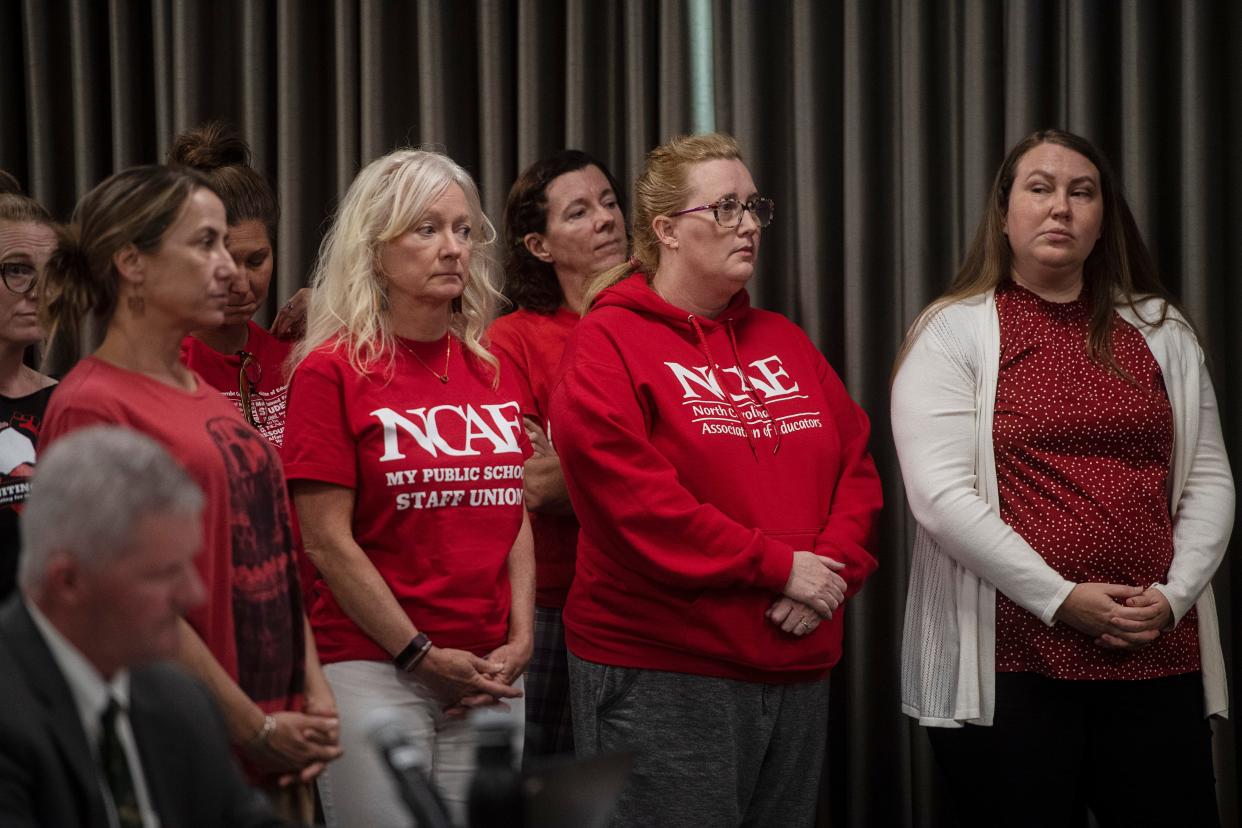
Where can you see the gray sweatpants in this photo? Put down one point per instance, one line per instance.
(712, 752)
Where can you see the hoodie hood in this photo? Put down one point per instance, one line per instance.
(635, 293)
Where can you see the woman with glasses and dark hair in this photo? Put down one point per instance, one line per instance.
(240, 359)
(27, 238)
(563, 225)
(727, 500)
(1062, 452)
(145, 262)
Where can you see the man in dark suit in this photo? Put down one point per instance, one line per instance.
(94, 732)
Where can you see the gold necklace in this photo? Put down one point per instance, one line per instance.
(448, 352)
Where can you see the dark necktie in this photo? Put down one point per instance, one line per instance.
(113, 758)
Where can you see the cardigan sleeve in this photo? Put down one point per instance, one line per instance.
(934, 421)
(1203, 515)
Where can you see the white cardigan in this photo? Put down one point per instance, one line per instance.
(943, 399)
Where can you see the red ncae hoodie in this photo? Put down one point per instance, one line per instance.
(699, 454)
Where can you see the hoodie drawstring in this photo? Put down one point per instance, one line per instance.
(752, 390)
(714, 367)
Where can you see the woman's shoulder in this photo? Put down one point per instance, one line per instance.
(962, 319)
(328, 356)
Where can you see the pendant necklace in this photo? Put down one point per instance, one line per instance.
(448, 352)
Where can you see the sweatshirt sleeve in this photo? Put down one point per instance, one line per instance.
(319, 444)
(628, 499)
(849, 530)
(934, 421)
(1203, 515)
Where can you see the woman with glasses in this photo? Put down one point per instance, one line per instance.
(145, 262)
(240, 359)
(726, 497)
(1062, 452)
(405, 445)
(27, 238)
(563, 225)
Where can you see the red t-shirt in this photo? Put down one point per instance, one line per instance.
(221, 371)
(530, 346)
(437, 473)
(1082, 463)
(252, 619)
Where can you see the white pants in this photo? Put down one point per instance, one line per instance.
(357, 790)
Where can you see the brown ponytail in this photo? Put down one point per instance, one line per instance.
(81, 285)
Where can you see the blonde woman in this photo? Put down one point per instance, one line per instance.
(720, 473)
(406, 452)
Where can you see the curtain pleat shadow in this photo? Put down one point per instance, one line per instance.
(875, 125)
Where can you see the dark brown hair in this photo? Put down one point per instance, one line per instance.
(1119, 268)
(529, 282)
(135, 206)
(17, 207)
(218, 152)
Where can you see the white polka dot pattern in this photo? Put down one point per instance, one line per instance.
(1082, 460)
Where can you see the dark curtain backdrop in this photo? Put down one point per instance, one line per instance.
(875, 124)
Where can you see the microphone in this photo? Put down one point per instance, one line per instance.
(496, 795)
(407, 762)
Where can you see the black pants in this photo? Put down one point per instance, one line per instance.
(1133, 752)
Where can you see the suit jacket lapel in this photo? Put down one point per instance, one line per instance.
(47, 685)
(144, 718)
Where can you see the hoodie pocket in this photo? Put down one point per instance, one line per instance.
(802, 540)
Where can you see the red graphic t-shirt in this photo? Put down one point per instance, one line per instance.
(437, 473)
(20, 419)
(222, 372)
(252, 619)
(530, 346)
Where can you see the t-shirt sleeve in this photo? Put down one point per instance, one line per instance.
(510, 388)
(319, 442)
(64, 419)
(514, 366)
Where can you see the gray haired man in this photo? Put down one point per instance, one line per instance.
(93, 731)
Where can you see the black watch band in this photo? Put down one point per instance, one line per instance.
(414, 652)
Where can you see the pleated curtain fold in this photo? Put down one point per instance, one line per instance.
(875, 125)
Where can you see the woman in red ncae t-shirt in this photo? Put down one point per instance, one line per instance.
(406, 452)
(148, 258)
(563, 225)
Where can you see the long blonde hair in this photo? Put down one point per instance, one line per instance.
(348, 298)
(663, 187)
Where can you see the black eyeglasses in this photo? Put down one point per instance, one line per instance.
(19, 277)
(728, 211)
(249, 375)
